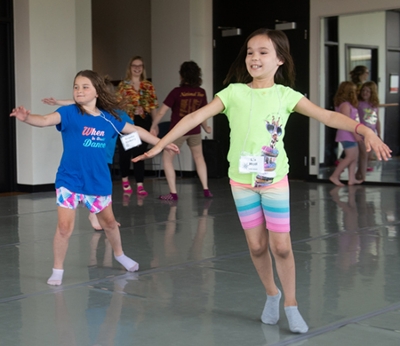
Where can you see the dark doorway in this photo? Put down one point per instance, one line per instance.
(7, 125)
(247, 18)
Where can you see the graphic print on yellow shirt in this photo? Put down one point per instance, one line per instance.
(270, 154)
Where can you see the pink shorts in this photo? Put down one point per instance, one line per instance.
(71, 200)
(269, 204)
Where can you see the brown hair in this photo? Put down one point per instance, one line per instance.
(128, 75)
(106, 100)
(190, 73)
(346, 93)
(356, 72)
(374, 98)
(284, 75)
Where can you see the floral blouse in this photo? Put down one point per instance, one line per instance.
(144, 97)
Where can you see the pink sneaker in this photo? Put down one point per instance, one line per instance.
(169, 197)
(370, 169)
(141, 191)
(126, 187)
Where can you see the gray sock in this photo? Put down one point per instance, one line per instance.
(296, 322)
(270, 314)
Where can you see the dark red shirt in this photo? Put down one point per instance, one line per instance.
(184, 100)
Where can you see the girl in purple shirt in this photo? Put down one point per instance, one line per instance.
(346, 103)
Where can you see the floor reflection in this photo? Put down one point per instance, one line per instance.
(197, 284)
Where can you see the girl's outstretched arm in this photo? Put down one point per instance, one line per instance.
(147, 136)
(342, 122)
(187, 123)
(51, 101)
(25, 116)
(156, 120)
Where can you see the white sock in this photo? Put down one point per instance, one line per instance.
(270, 314)
(56, 278)
(129, 264)
(296, 321)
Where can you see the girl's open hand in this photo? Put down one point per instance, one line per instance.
(147, 155)
(20, 113)
(51, 101)
(154, 130)
(154, 151)
(373, 142)
(208, 129)
(172, 147)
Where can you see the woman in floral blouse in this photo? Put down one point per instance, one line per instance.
(140, 103)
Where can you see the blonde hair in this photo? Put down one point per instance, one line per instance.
(128, 75)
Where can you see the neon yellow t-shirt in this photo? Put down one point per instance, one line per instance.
(257, 119)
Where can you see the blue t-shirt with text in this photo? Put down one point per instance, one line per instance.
(84, 163)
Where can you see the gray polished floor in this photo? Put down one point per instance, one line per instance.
(196, 284)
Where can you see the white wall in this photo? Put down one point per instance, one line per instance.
(48, 53)
(121, 30)
(318, 10)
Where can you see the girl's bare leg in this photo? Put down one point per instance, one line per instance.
(281, 248)
(94, 222)
(110, 225)
(65, 227)
(258, 242)
(169, 170)
(352, 156)
(362, 162)
(201, 167)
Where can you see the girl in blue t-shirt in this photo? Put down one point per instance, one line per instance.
(83, 175)
(110, 148)
(258, 164)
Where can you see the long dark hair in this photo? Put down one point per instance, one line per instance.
(190, 74)
(106, 100)
(285, 74)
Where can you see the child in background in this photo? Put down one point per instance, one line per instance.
(258, 106)
(359, 75)
(183, 100)
(368, 102)
(83, 175)
(346, 102)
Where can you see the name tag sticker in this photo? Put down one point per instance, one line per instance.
(131, 140)
(251, 164)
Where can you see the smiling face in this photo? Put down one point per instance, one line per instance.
(137, 67)
(261, 59)
(365, 93)
(84, 91)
